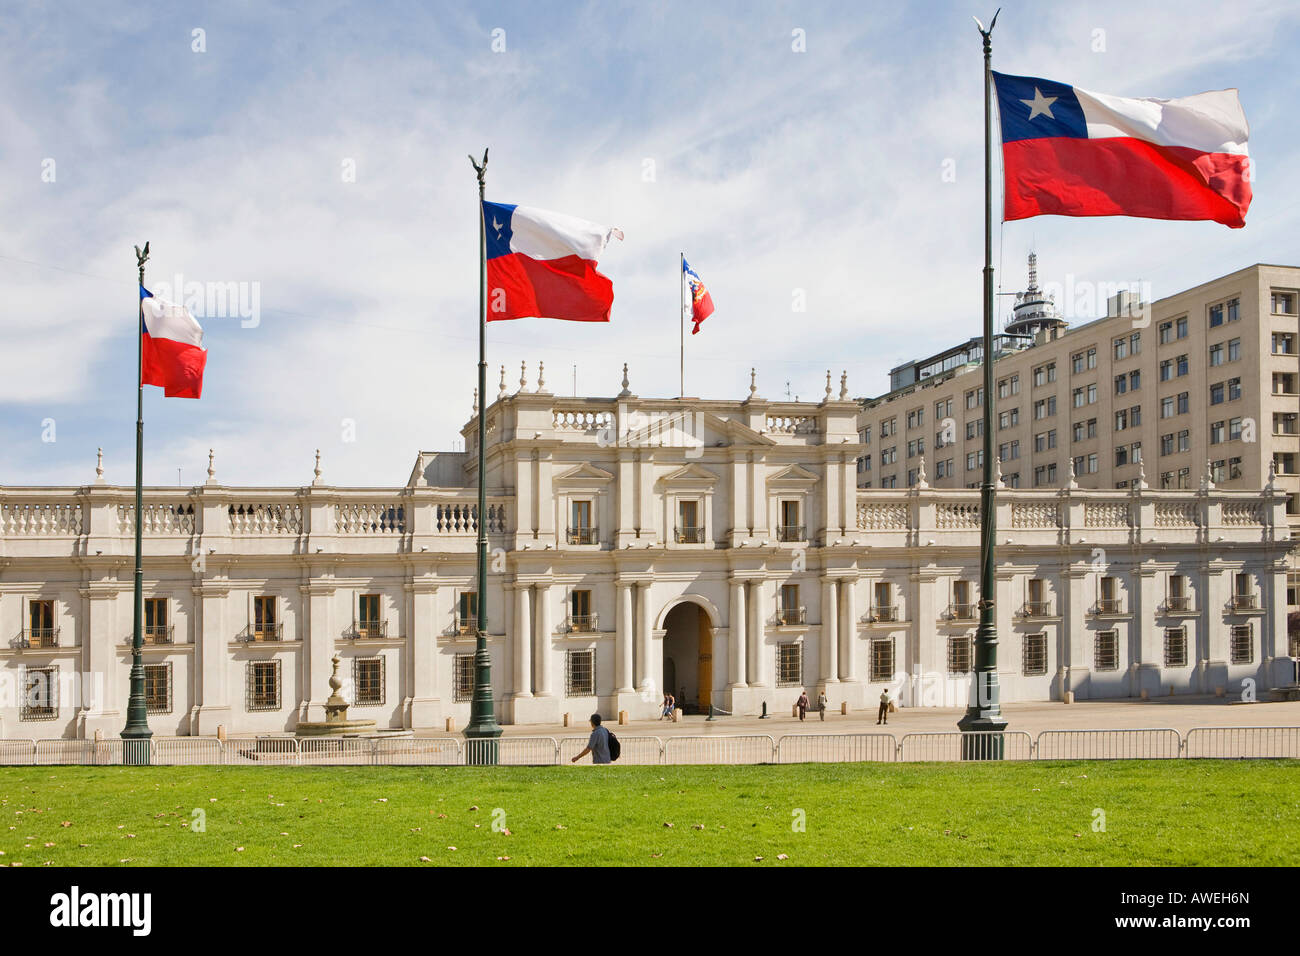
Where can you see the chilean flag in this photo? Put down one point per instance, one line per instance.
(1069, 152)
(172, 355)
(543, 264)
(701, 301)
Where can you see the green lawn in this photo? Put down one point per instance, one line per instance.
(1176, 812)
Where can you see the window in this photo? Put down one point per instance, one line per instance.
(1216, 316)
(1175, 647)
(1166, 370)
(1234, 468)
(963, 609)
(41, 631)
(1121, 420)
(1135, 453)
(1216, 354)
(1078, 432)
(1178, 600)
(1120, 347)
(866, 435)
(915, 418)
(368, 681)
(1216, 433)
(1167, 444)
(263, 690)
(580, 527)
(911, 448)
(943, 468)
(1108, 600)
(1234, 349)
(1182, 327)
(889, 455)
(1166, 332)
(1045, 475)
(1009, 451)
(1077, 397)
(40, 693)
(1009, 419)
(974, 459)
(464, 678)
(789, 664)
(158, 688)
(865, 463)
(882, 660)
(1217, 393)
(581, 617)
(1033, 655)
(1285, 423)
(1242, 644)
(1234, 310)
(788, 609)
(1284, 383)
(1135, 343)
(155, 629)
(888, 427)
(1045, 374)
(1182, 403)
(1121, 456)
(974, 429)
(1234, 429)
(467, 615)
(959, 655)
(580, 672)
(791, 529)
(1107, 651)
(265, 625)
(1009, 386)
(1284, 303)
(1045, 441)
(1135, 380)
(883, 593)
(1283, 344)
(1167, 407)
(975, 397)
(1181, 364)
(943, 410)
(1045, 407)
(1121, 384)
(1184, 440)
(1013, 480)
(1036, 602)
(368, 619)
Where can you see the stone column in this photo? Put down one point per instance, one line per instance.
(736, 622)
(422, 639)
(212, 638)
(830, 636)
(848, 630)
(623, 652)
(317, 634)
(523, 640)
(644, 635)
(758, 607)
(542, 615)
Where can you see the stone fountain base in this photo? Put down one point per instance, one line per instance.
(336, 723)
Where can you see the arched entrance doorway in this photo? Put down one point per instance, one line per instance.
(688, 656)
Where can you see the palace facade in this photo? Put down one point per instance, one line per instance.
(721, 549)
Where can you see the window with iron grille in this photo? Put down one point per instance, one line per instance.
(1034, 654)
(158, 688)
(263, 691)
(1107, 651)
(1243, 644)
(40, 693)
(959, 655)
(369, 686)
(882, 659)
(789, 664)
(464, 676)
(580, 673)
(1175, 647)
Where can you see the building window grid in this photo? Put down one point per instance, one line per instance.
(40, 693)
(369, 683)
(1106, 651)
(789, 664)
(882, 659)
(463, 678)
(158, 688)
(959, 655)
(1175, 647)
(1034, 655)
(580, 672)
(263, 686)
(1242, 646)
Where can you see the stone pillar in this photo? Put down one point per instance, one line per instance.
(99, 698)
(644, 636)
(212, 637)
(830, 636)
(523, 640)
(737, 651)
(759, 604)
(318, 649)
(848, 630)
(623, 652)
(422, 639)
(542, 687)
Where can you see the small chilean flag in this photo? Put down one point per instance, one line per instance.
(1069, 152)
(173, 356)
(543, 264)
(701, 301)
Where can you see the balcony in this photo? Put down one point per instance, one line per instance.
(1179, 604)
(581, 536)
(790, 532)
(689, 535)
(791, 616)
(582, 624)
(261, 633)
(37, 637)
(884, 615)
(156, 633)
(1036, 609)
(1244, 602)
(467, 625)
(1108, 606)
(367, 631)
(961, 612)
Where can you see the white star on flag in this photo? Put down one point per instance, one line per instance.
(1040, 104)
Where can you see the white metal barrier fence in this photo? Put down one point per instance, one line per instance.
(736, 749)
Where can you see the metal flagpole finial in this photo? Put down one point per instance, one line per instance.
(987, 34)
(480, 169)
(141, 257)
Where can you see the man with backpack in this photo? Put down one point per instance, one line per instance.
(602, 745)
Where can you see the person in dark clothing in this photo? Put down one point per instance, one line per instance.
(802, 704)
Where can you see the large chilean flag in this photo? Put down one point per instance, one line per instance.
(172, 353)
(543, 264)
(1069, 152)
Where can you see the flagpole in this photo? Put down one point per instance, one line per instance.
(681, 322)
(482, 715)
(136, 734)
(984, 712)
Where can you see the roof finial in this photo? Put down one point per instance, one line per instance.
(502, 393)
(99, 466)
(212, 472)
(1141, 483)
(475, 409)
(541, 376)
(523, 380)
(1207, 483)
(828, 385)
(1073, 483)
(844, 386)
(920, 475)
(626, 393)
(1272, 476)
(316, 478)
(753, 383)
(997, 473)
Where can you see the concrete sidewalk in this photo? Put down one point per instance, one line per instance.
(1180, 713)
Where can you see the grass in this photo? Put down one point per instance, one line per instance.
(1181, 812)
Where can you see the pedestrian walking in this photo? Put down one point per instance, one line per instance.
(597, 743)
(821, 704)
(802, 704)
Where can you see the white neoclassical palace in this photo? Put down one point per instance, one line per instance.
(720, 549)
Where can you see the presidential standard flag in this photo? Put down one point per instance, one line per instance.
(1071, 152)
(701, 301)
(172, 353)
(543, 264)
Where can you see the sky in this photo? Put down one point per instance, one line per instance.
(819, 164)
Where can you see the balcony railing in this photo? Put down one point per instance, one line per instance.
(582, 536)
(368, 630)
(1178, 603)
(884, 615)
(156, 633)
(38, 637)
(962, 612)
(689, 535)
(1109, 606)
(1037, 609)
(790, 532)
(1244, 602)
(260, 633)
(786, 616)
(467, 625)
(582, 624)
